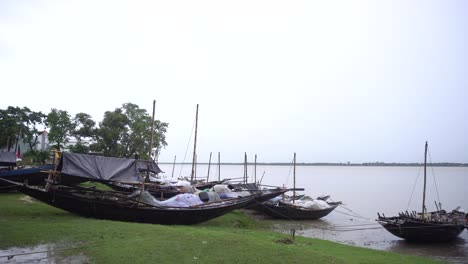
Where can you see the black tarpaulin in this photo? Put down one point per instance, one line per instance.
(143, 165)
(7, 159)
(100, 168)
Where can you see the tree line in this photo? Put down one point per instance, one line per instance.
(124, 132)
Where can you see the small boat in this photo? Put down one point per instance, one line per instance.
(293, 209)
(436, 226)
(116, 205)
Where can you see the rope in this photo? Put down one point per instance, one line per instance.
(289, 173)
(433, 176)
(186, 150)
(414, 186)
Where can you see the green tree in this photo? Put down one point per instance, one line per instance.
(60, 127)
(30, 127)
(127, 131)
(110, 133)
(9, 127)
(85, 128)
(17, 123)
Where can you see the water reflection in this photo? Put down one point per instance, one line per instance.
(43, 253)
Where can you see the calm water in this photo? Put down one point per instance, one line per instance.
(364, 192)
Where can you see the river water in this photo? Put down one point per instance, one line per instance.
(364, 190)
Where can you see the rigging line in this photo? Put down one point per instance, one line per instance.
(186, 150)
(356, 214)
(369, 224)
(414, 186)
(433, 175)
(289, 173)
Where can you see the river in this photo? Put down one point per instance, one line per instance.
(364, 191)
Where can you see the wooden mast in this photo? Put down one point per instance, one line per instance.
(173, 166)
(194, 147)
(209, 165)
(424, 189)
(255, 169)
(219, 166)
(151, 143)
(294, 177)
(245, 167)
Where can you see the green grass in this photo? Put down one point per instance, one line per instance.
(233, 238)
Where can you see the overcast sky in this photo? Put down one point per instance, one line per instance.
(334, 81)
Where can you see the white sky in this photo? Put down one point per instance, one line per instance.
(334, 81)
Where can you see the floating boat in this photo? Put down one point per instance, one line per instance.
(436, 226)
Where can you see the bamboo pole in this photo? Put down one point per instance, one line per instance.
(173, 166)
(219, 166)
(151, 143)
(294, 177)
(245, 167)
(194, 146)
(209, 165)
(424, 189)
(255, 169)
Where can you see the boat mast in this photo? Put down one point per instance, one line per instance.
(294, 177)
(209, 165)
(424, 189)
(194, 146)
(219, 166)
(255, 169)
(173, 166)
(151, 143)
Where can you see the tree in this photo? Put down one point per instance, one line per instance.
(9, 127)
(60, 126)
(31, 131)
(127, 131)
(84, 127)
(16, 123)
(110, 133)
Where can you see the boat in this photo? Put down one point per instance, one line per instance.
(291, 208)
(11, 171)
(115, 205)
(425, 227)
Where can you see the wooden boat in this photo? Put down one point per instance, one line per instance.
(11, 171)
(293, 210)
(290, 211)
(436, 226)
(32, 176)
(114, 205)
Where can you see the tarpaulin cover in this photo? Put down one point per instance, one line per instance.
(153, 167)
(100, 168)
(7, 159)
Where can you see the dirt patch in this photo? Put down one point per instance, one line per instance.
(286, 241)
(27, 199)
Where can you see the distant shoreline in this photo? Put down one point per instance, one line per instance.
(367, 164)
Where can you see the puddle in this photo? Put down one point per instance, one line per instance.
(44, 253)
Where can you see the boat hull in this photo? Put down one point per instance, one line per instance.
(421, 232)
(105, 205)
(293, 212)
(32, 176)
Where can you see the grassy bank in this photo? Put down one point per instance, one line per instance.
(233, 238)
